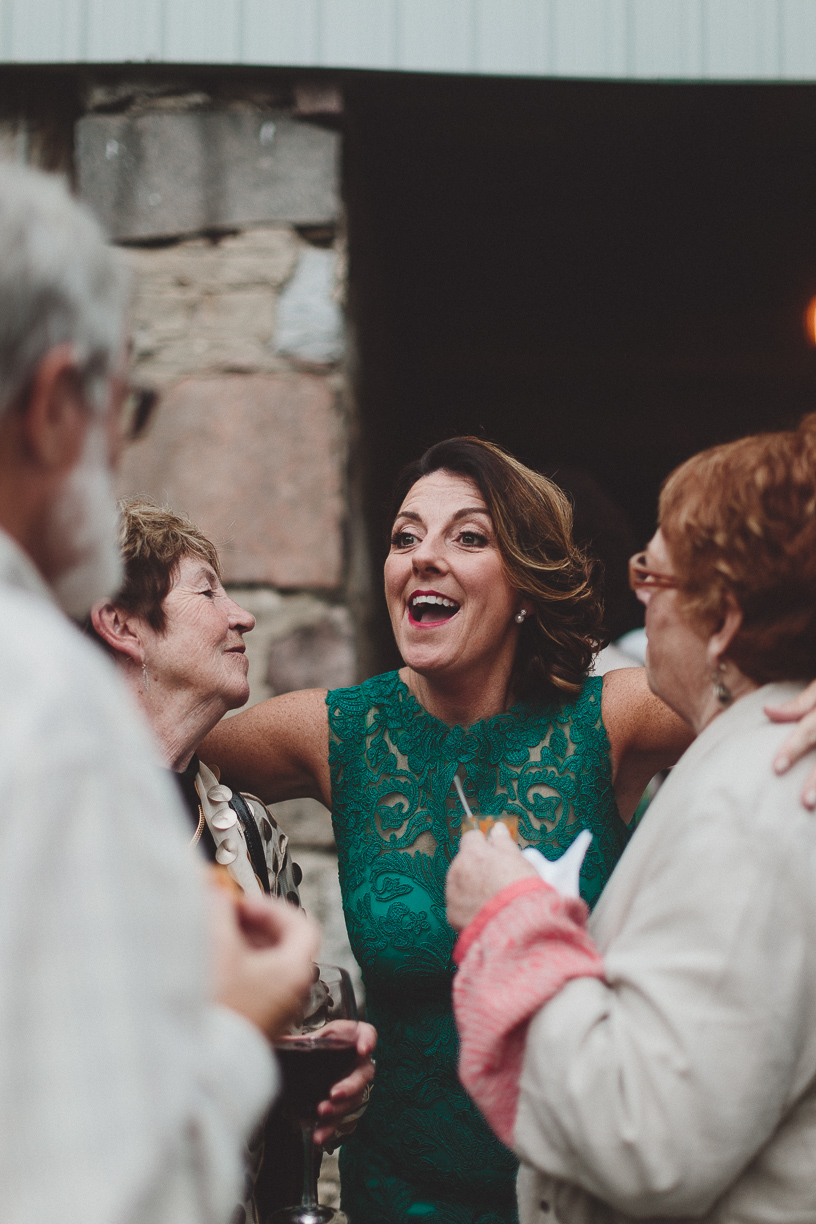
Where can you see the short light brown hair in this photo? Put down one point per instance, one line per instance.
(740, 520)
(154, 540)
(532, 519)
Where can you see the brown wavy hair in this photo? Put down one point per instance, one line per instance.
(532, 519)
(740, 520)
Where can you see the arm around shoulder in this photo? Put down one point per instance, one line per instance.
(278, 749)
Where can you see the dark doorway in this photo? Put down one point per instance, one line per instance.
(603, 277)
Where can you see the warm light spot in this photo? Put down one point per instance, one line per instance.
(810, 321)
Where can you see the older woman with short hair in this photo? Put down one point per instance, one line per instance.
(661, 1063)
(177, 638)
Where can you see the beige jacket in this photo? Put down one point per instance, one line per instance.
(684, 1086)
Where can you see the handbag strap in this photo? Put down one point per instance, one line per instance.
(252, 835)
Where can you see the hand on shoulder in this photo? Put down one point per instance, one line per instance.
(802, 739)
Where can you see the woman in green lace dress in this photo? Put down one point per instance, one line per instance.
(497, 620)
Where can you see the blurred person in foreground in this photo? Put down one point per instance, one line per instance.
(176, 637)
(134, 1053)
(660, 1063)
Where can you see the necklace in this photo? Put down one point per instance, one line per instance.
(196, 838)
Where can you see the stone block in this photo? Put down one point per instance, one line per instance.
(163, 174)
(316, 655)
(328, 1186)
(320, 894)
(307, 823)
(317, 97)
(310, 321)
(204, 307)
(262, 256)
(257, 462)
(278, 619)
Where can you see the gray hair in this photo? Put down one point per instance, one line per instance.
(60, 282)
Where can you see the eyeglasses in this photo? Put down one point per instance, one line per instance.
(642, 578)
(138, 409)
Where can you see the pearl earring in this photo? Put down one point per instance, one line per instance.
(520, 615)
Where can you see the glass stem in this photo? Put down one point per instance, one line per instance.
(309, 1188)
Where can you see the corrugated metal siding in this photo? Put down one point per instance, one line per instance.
(617, 39)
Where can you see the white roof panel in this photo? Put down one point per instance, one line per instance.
(678, 40)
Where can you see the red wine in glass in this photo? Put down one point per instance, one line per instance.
(311, 1063)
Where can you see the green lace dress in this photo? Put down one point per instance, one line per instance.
(422, 1150)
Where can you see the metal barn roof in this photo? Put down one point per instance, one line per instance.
(676, 40)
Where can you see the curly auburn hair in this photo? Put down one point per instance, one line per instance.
(740, 520)
(154, 540)
(532, 519)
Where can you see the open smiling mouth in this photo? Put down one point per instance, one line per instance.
(431, 609)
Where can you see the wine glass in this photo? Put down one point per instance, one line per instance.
(311, 1062)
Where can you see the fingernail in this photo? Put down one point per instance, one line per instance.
(781, 764)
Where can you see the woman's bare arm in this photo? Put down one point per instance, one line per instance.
(645, 736)
(278, 749)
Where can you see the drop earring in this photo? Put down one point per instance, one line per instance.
(721, 690)
(145, 677)
(520, 615)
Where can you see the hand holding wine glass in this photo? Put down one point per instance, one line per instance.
(326, 1069)
(338, 1114)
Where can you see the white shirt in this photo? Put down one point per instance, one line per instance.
(124, 1094)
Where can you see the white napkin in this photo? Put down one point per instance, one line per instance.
(562, 874)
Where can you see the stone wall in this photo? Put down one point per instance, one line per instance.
(241, 329)
(225, 196)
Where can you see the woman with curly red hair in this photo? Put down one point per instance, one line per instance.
(497, 617)
(660, 1062)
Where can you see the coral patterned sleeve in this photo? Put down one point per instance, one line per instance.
(521, 948)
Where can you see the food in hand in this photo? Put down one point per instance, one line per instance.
(221, 878)
(486, 823)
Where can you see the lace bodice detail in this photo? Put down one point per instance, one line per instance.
(397, 824)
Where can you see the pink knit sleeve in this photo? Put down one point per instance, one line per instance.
(524, 945)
